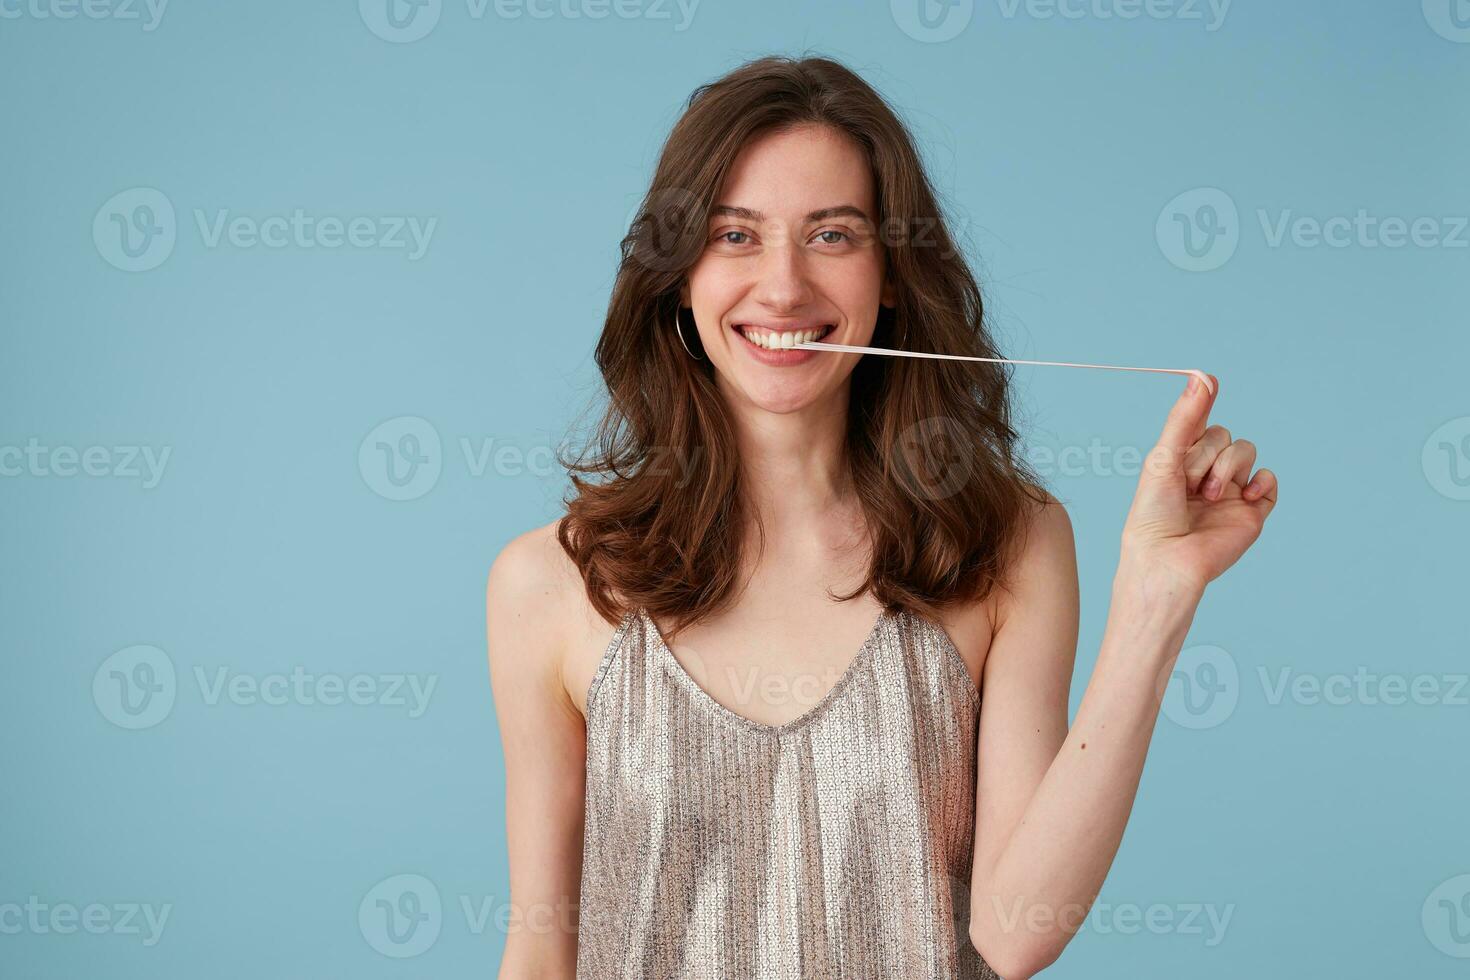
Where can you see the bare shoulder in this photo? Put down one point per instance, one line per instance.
(1042, 568)
(1042, 556)
(536, 607)
(530, 570)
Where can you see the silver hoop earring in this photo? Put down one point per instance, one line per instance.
(680, 331)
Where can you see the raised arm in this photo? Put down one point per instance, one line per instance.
(543, 738)
(1052, 803)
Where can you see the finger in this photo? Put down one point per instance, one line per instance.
(1232, 466)
(1186, 421)
(1262, 486)
(1202, 454)
(1183, 428)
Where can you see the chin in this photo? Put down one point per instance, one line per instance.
(788, 392)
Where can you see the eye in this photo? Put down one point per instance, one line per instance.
(724, 237)
(841, 236)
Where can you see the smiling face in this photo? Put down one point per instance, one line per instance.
(792, 253)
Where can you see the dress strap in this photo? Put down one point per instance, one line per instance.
(609, 655)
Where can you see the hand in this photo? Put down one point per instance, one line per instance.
(1195, 511)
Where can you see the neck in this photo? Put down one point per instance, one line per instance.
(793, 464)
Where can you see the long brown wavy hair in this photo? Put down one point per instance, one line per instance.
(931, 451)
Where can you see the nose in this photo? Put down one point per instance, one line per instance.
(783, 285)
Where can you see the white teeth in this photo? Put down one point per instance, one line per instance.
(781, 341)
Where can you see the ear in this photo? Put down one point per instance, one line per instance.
(889, 296)
(684, 294)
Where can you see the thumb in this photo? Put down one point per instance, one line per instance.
(1186, 423)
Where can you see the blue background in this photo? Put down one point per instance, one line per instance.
(1328, 832)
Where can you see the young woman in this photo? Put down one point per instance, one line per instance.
(849, 552)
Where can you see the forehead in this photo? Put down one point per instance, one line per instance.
(788, 174)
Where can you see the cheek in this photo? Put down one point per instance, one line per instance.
(713, 291)
(857, 283)
(705, 299)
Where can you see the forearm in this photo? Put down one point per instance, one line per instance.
(1047, 874)
(535, 958)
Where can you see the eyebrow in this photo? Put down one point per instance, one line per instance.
(749, 214)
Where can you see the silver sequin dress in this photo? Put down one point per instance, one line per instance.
(837, 845)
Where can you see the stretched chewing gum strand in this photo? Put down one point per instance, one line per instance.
(1204, 379)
